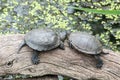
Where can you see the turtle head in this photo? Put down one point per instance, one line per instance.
(62, 33)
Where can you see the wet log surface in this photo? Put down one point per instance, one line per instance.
(68, 62)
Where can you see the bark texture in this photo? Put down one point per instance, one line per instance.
(68, 62)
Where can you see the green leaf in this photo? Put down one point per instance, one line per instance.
(109, 12)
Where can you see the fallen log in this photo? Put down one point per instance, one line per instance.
(68, 62)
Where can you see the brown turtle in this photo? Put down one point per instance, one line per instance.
(42, 40)
(88, 44)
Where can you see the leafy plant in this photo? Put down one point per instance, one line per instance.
(109, 12)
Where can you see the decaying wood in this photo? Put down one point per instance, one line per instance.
(68, 62)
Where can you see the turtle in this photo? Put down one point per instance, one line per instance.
(87, 44)
(42, 40)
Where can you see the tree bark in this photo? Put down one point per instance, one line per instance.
(68, 62)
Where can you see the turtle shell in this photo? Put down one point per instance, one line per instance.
(42, 39)
(86, 43)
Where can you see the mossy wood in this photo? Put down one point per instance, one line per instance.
(68, 62)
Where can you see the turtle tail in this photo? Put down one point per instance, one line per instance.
(20, 46)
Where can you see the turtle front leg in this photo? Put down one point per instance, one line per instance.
(99, 61)
(70, 45)
(35, 57)
(62, 46)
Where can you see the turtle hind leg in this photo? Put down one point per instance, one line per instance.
(104, 53)
(21, 45)
(35, 57)
(62, 46)
(99, 61)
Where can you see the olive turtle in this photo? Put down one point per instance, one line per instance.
(41, 40)
(88, 44)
